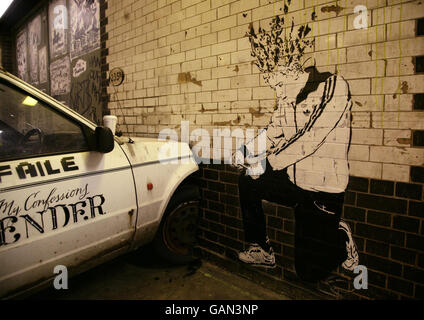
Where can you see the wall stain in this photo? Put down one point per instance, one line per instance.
(222, 123)
(237, 121)
(333, 8)
(202, 109)
(185, 77)
(404, 140)
(236, 69)
(256, 113)
(404, 87)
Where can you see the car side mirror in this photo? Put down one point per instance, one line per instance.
(104, 140)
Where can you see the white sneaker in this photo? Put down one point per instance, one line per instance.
(256, 256)
(352, 253)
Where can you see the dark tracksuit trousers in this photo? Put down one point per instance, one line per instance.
(319, 244)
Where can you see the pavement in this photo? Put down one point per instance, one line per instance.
(142, 276)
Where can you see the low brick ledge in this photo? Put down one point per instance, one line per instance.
(260, 276)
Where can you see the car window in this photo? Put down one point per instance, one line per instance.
(28, 127)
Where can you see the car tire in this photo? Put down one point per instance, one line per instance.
(177, 233)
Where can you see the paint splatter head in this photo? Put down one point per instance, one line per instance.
(280, 49)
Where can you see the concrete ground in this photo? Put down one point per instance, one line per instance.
(139, 275)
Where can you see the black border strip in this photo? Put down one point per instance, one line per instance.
(89, 174)
(62, 179)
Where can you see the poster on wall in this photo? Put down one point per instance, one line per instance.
(86, 83)
(85, 26)
(42, 64)
(34, 40)
(21, 54)
(60, 77)
(58, 26)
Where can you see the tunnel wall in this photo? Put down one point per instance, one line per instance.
(208, 63)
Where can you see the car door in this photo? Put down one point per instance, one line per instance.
(60, 202)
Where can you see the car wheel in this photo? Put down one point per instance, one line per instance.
(177, 234)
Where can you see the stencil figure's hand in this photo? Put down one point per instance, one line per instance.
(238, 160)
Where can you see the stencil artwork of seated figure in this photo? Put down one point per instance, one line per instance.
(304, 164)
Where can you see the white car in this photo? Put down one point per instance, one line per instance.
(75, 195)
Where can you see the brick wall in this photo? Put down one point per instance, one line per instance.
(190, 60)
(386, 218)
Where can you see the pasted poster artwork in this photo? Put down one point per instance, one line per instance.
(58, 26)
(60, 77)
(85, 96)
(79, 68)
(21, 55)
(305, 163)
(85, 26)
(42, 64)
(34, 40)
